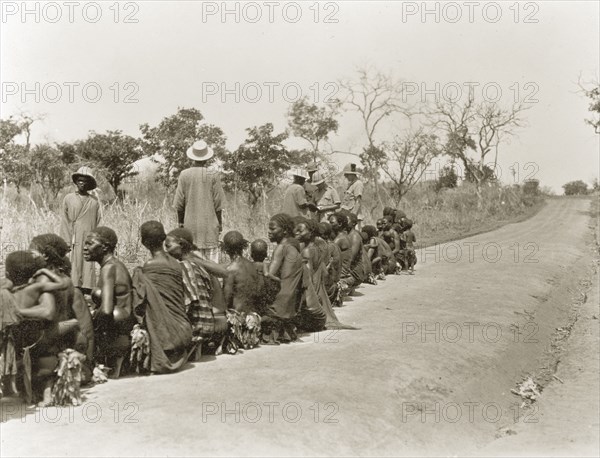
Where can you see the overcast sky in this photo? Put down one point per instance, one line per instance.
(183, 54)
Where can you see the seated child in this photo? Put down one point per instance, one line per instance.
(241, 287)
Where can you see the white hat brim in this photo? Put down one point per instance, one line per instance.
(194, 157)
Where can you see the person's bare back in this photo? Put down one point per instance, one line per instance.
(242, 287)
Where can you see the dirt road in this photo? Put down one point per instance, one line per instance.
(429, 372)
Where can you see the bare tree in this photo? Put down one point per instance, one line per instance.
(407, 158)
(473, 130)
(375, 96)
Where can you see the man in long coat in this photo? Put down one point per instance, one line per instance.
(80, 215)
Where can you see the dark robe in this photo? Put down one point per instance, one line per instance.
(159, 304)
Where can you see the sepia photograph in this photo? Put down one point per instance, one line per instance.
(300, 228)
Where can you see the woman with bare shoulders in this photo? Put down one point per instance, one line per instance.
(113, 316)
(286, 270)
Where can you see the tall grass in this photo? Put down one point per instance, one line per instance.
(437, 216)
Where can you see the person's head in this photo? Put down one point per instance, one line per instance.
(304, 229)
(324, 230)
(179, 242)
(281, 226)
(84, 180)
(53, 250)
(299, 175)
(380, 225)
(408, 224)
(388, 221)
(388, 211)
(365, 237)
(259, 250)
(311, 169)
(350, 173)
(371, 231)
(234, 243)
(338, 222)
(200, 153)
(100, 242)
(318, 179)
(153, 235)
(352, 220)
(20, 266)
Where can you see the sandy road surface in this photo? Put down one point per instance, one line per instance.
(430, 371)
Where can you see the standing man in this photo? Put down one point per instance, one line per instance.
(80, 216)
(352, 200)
(199, 200)
(310, 188)
(325, 197)
(294, 199)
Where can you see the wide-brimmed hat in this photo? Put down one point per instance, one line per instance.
(200, 151)
(299, 173)
(85, 171)
(312, 167)
(317, 178)
(351, 169)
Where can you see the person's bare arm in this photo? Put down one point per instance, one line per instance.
(107, 304)
(46, 310)
(211, 267)
(275, 263)
(229, 285)
(396, 242)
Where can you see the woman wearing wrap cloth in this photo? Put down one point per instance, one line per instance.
(113, 316)
(334, 265)
(204, 300)
(158, 303)
(316, 312)
(286, 270)
(338, 222)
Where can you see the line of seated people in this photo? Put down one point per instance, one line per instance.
(178, 305)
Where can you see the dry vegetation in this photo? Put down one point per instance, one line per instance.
(438, 217)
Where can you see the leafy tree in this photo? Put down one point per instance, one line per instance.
(49, 169)
(575, 188)
(406, 159)
(113, 152)
(447, 179)
(14, 158)
(312, 123)
(173, 136)
(259, 163)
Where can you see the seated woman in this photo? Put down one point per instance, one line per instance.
(204, 299)
(379, 253)
(334, 265)
(22, 268)
(113, 316)
(285, 269)
(357, 267)
(75, 320)
(158, 303)
(35, 334)
(338, 222)
(316, 312)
